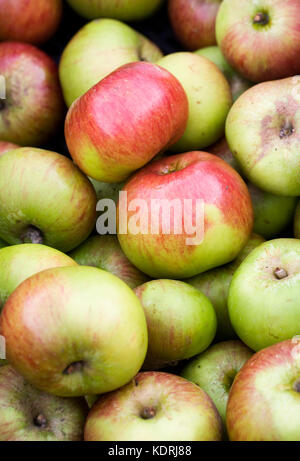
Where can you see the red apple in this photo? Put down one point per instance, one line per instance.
(33, 109)
(193, 21)
(167, 247)
(6, 147)
(33, 21)
(122, 122)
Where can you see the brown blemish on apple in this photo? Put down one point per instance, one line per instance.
(296, 386)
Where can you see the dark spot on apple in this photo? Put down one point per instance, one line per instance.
(280, 273)
(136, 383)
(261, 19)
(75, 367)
(148, 413)
(32, 235)
(296, 386)
(2, 104)
(286, 130)
(40, 421)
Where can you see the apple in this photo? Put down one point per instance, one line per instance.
(44, 198)
(297, 222)
(215, 369)
(209, 99)
(107, 128)
(61, 325)
(260, 39)
(126, 10)
(6, 147)
(215, 285)
(264, 402)
(181, 321)
(33, 109)
(104, 252)
(27, 414)
(212, 216)
(221, 149)
(262, 133)
(29, 21)
(18, 262)
(193, 21)
(264, 294)
(272, 213)
(96, 50)
(107, 190)
(154, 406)
(237, 83)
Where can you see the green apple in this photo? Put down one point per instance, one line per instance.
(262, 133)
(44, 198)
(215, 369)
(264, 294)
(238, 84)
(104, 252)
(74, 331)
(154, 406)
(297, 222)
(27, 414)
(181, 321)
(99, 48)
(107, 190)
(215, 285)
(209, 99)
(126, 10)
(18, 262)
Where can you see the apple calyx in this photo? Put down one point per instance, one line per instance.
(261, 19)
(148, 413)
(296, 386)
(286, 130)
(32, 235)
(74, 367)
(40, 421)
(280, 273)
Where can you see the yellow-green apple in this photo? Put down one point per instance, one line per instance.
(238, 84)
(61, 325)
(29, 21)
(297, 222)
(44, 198)
(193, 21)
(181, 321)
(126, 10)
(261, 38)
(33, 109)
(264, 294)
(215, 369)
(6, 147)
(264, 402)
(196, 214)
(121, 123)
(264, 140)
(27, 414)
(215, 285)
(209, 99)
(104, 252)
(98, 49)
(154, 406)
(18, 262)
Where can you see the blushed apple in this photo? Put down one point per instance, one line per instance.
(297, 222)
(7, 146)
(181, 321)
(264, 294)
(107, 128)
(44, 198)
(33, 109)
(154, 406)
(96, 50)
(61, 325)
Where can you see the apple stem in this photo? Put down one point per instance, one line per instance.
(32, 235)
(148, 413)
(261, 19)
(40, 421)
(280, 273)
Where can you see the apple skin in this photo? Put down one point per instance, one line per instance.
(126, 10)
(104, 252)
(107, 190)
(33, 109)
(193, 21)
(27, 414)
(260, 51)
(238, 84)
(6, 147)
(209, 99)
(264, 400)
(26, 21)
(18, 262)
(97, 49)
(297, 222)
(263, 307)
(227, 209)
(215, 285)
(59, 332)
(215, 369)
(155, 406)
(44, 191)
(181, 321)
(265, 141)
(107, 127)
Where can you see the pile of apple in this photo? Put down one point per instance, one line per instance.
(142, 336)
